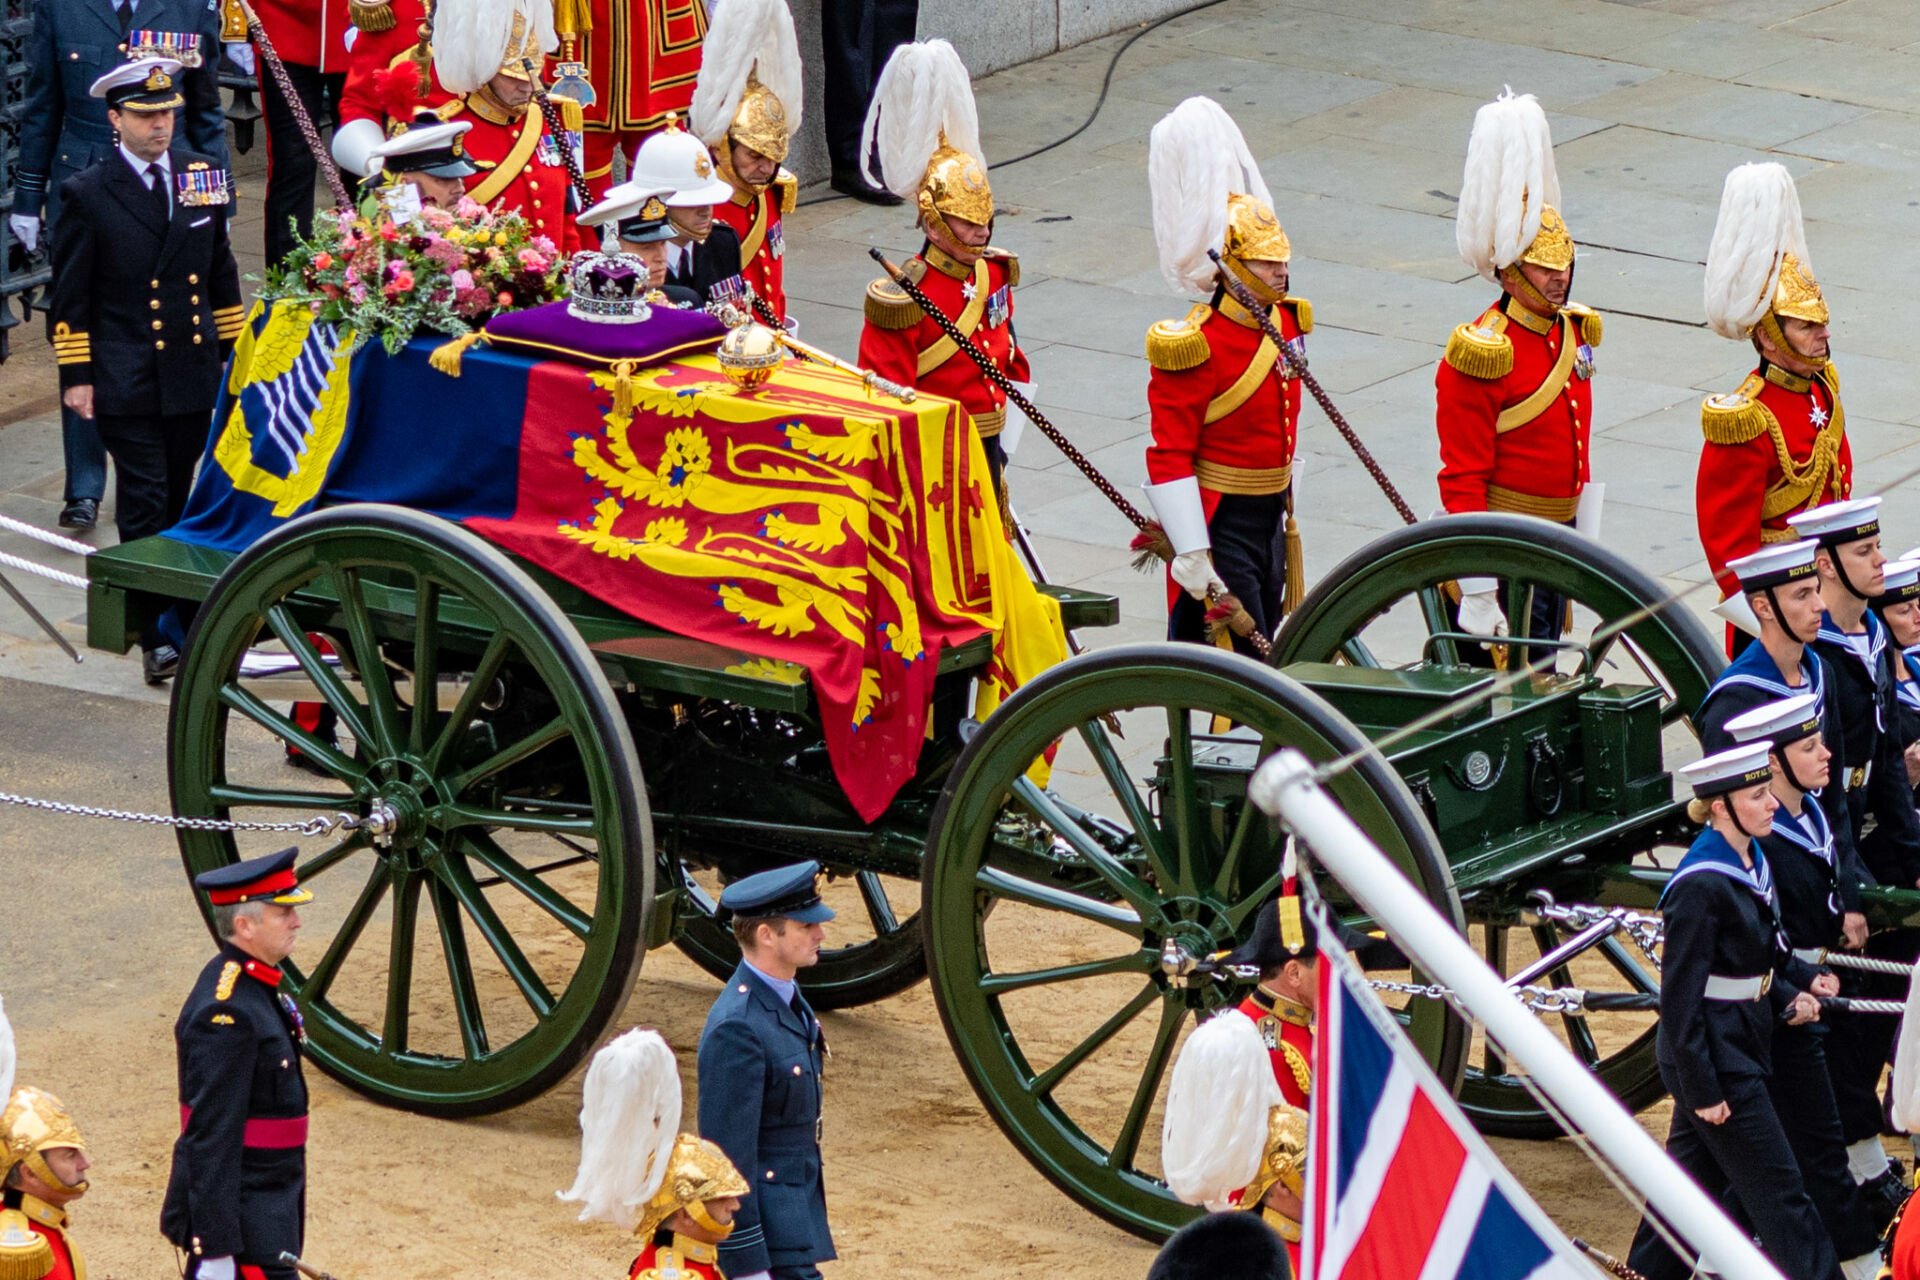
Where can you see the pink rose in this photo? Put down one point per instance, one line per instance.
(505, 299)
(544, 245)
(389, 232)
(463, 279)
(532, 260)
(469, 208)
(358, 293)
(322, 261)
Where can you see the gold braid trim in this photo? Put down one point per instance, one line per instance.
(789, 188)
(889, 307)
(371, 17)
(1302, 312)
(1804, 482)
(1590, 325)
(1297, 1063)
(1736, 418)
(1481, 351)
(1179, 345)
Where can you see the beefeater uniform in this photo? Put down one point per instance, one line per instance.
(641, 57)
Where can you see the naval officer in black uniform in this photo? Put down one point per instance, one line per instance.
(146, 307)
(238, 1190)
(761, 1055)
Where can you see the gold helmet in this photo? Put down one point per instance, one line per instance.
(1510, 170)
(1283, 1161)
(1757, 267)
(1798, 295)
(1553, 247)
(749, 86)
(33, 1124)
(1208, 196)
(697, 1171)
(926, 131)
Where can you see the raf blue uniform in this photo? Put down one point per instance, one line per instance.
(70, 44)
(760, 1068)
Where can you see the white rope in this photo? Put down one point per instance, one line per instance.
(47, 536)
(41, 571)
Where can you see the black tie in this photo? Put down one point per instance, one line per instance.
(158, 178)
(800, 1009)
(126, 16)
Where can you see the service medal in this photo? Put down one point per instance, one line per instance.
(1583, 362)
(999, 306)
(776, 242)
(182, 46)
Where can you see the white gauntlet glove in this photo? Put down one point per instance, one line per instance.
(1194, 571)
(215, 1269)
(241, 55)
(1184, 518)
(26, 230)
(1480, 609)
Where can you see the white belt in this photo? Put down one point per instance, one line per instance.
(1745, 989)
(1812, 955)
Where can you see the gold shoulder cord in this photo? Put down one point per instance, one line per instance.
(1803, 481)
(1297, 1063)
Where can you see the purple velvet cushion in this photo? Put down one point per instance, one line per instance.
(548, 333)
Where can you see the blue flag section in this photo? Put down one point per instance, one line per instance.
(300, 417)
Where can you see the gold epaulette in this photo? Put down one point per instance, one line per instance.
(1589, 319)
(789, 187)
(1832, 374)
(889, 307)
(1008, 259)
(1482, 349)
(1302, 312)
(667, 1265)
(229, 974)
(24, 1252)
(377, 16)
(70, 347)
(1178, 345)
(1734, 418)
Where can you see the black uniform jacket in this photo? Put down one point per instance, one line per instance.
(1721, 920)
(1802, 857)
(760, 1064)
(72, 43)
(1863, 730)
(714, 261)
(144, 309)
(239, 1181)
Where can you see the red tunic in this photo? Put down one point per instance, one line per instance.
(312, 33)
(756, 216)
(688, 1265)
(1248, 447)
(51, 1223)
(1906, 1244)
(528, 175)
(1535, 466)
(1287, 1029)
(898, 338)
(376, 51)
(1742, 495)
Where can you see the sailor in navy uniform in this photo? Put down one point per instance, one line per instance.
(637, 218)
(1726, 975)
(1781, 590)
(236, 1197)
(761, 1057)
(1819, 909)
(703, 254)
(146, 307)
(1898, 608)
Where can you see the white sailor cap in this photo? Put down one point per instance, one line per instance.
(628, 200)
(1729, 770)
(144, 84)
(1902, 581)
(1783, 723)
(1838, 523)
(438, 149)
(1775, 565)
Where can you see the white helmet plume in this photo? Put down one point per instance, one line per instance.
(1509, 178)
(470, 37)
(629, 1117)
(1217, 1103)
(1196, 158)
(747, 37)
(923, 93)
(1759, 221)
(9, 1057)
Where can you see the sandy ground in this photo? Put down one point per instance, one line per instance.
(100, 942)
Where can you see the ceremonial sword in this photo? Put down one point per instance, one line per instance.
(305, 1269)
(1236, 617)
(1298, 368)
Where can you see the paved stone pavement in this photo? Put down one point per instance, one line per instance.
(1359, 112)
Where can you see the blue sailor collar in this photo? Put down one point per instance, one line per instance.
(1794, 831)
(1755, 668)
(1876, 637)
(1712, 855)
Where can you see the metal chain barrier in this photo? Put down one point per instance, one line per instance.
(1569, 1000)
(1646, 931)
(319, 825)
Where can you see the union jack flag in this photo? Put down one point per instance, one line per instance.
(1399, 1186)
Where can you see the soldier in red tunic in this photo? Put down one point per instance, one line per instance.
(746, 107)
(1282, 1005)
(1777, 446)
(1514, 400)
(390, 80)
(43, 1167)
(680, 1197)
(930, 154)
(1225, 407)
(640, 58)
(481, 48)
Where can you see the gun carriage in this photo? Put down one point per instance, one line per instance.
(558, 787)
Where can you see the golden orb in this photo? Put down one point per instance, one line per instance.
(749, 354)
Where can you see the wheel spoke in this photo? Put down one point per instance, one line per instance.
(1044, 1083)
(1434, 612)
(1124, 882)
(452, 869)
(1237, 914)
(873, 891)
(352, 843)
(229, 794)
(426, 664)
(1356, 652)
(321, 976)
(1579, 1034)
(484, 673)
(375, 678)
(549, 899)
(406, 913)
(325, 753)
(1033, 893)
(453, 948)
(1179, 820)
(545, 736)
(1172, 1014)
(324, 678)
(1145, 829)
(469, 815)
(1250, 820)
(999, 984)
(1629, 966)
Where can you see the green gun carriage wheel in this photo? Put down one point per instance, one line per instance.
(1058, 918)
(1385, 606)
(470, 959)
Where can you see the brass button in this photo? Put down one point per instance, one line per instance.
(155, 304)
(157, 324)
(195, 299)
(153, 284)
(769, 1175)
(796, 1068)
(190, 280)
(159, 345)
(196, 338)
(73, 57)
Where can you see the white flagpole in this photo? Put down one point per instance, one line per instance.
(1284, 786)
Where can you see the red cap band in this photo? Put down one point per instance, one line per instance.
(264, 887)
